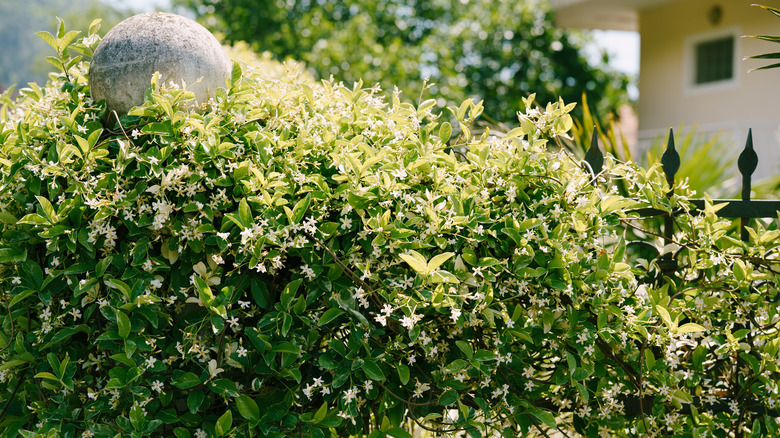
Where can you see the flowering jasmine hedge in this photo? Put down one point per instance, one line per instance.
(309, 259)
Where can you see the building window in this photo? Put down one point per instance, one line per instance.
(714, 60)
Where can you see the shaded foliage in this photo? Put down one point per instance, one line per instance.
(482, 49)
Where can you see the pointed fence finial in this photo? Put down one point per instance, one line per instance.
(670, 160)
(593, 156)
(747, 163)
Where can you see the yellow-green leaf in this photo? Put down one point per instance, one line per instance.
(690, 327)
(416, 261)
(667, 319)
(439, 260)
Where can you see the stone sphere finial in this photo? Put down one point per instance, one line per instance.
(180, 49)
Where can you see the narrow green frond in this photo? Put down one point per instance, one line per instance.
(770, 9)
(770, 38)
(773, 55)
(766, 67)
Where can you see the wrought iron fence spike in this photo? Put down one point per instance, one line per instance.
(593, 156)
(748, 159)
(747, 163)
(670, 160)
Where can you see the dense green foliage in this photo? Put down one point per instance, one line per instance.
(300, 258)
(497, 52)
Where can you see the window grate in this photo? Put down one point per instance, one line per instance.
(715, 60)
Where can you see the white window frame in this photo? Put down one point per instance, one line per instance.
(689, 66)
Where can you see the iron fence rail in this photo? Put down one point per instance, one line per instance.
(744, 209)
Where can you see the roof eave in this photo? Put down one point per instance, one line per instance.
(601, 14)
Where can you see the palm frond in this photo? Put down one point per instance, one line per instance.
(765, 67)
(769, 8)
(773, 55)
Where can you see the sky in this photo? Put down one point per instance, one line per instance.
(623, 48)
(141, 5)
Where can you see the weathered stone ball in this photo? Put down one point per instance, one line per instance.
(181, 50)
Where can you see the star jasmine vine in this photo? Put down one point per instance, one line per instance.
(301, 258)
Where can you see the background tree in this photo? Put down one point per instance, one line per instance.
(22, 60)
(496, 51)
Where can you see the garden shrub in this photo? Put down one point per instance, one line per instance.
(302, 258)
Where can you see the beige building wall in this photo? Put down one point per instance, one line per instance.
(668, 97)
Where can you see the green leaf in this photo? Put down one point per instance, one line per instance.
(403, 373)
(416, 261)
(15, 254)
(83, 144)
(49, 38)
(373, 371)
(12, 363)
(584, 393)
(236, 74)
(330, 315)
(224, 423)
(754, 363)
(121, 286)
(124, 324)
(47, 375)
(465, 347)
(181, 432)
(756, 429)
(528, 223)
(445, 132)
(285, 347)
(357, 202)
(20, 297)
(321, 413)
(649, 359)
(245, 214)
(664, 314)
(300, 208)
(224, 387)
(65, 334)
(48, 209)
(259, 293)
(248, 408)
(438, 260)
(580, 374)
(102, 265)
(8, 218)
(137, 417)
(690, 328)
(571, 361)
(204, 291)
(289, 293)
(448, 397)
(425, 106)
(397, 432)
(186, 380)
(33, 219)
(545, 417)
(194, 400)
(601, 320)
(440, 276)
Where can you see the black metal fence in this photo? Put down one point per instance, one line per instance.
(744, 209)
